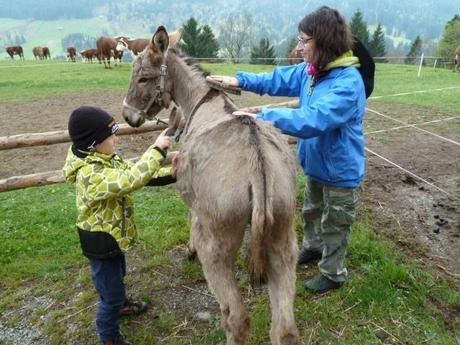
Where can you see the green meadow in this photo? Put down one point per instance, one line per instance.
(390, 298)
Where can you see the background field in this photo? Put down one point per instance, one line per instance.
(397, 292)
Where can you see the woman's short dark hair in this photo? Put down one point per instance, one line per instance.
(331, 34)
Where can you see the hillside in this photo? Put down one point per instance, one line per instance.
(46, 22)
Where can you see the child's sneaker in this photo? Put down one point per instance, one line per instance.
(133, 308)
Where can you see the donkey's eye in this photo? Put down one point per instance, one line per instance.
(143, 80)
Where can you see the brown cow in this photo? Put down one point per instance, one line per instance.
(46, 53)
(71, 53)
(38, 53)
(106, 48)
(89, 54)
(138, 45)
(16, 50)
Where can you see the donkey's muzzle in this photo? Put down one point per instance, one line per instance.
(133, 116)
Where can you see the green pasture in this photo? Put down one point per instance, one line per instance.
(45, 281)
(26, 80)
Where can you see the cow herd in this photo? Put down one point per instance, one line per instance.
(106, 49)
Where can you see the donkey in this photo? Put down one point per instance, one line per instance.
(231, 172)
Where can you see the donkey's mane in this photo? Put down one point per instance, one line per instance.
(190, 61)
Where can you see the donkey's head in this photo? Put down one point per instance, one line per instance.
(150, 88)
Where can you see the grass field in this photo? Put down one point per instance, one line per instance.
(389, 299)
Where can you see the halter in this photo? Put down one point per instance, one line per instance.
(158, 97)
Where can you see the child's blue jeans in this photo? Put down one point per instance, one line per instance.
(108, 277)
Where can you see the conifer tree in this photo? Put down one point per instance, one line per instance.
(450, 39)
(208, 45)
(190, 38)
(359, 27)
(415, 51)
(377, 44)
(263, 54)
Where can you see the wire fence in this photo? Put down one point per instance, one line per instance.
(427, 61)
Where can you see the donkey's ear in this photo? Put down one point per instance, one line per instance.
(161, 39)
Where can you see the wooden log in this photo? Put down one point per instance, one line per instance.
(41, 179)
(56, 137)
(47, 178)
(257, 108)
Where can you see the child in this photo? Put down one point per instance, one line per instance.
(105, 221)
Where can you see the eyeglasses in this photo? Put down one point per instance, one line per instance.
(303, 40)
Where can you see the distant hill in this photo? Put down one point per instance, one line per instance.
(47, 22)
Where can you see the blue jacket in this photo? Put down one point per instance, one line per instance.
(329, 122)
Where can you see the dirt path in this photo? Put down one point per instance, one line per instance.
(416, 216)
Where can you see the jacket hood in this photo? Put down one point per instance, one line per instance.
(71, 166)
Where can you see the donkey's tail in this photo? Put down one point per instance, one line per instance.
(262, 208)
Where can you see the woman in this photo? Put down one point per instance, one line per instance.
(328, 126)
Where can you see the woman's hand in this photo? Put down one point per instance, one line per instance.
(243, 113)
(224, 80)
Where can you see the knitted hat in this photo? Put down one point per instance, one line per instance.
(89, 126)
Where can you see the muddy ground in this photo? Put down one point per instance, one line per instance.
(421, 219)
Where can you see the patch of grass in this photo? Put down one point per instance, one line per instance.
(393, 79)
(35, 232)
(50, 78)
(55, 330)
(165, 323)
(191, 271)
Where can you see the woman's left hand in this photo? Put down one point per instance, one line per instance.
(243, 113)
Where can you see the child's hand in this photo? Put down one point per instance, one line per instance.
(163, 141)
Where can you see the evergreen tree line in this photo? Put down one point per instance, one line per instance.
(200, 42)
(376, 42)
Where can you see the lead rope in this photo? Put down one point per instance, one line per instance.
(197, 106)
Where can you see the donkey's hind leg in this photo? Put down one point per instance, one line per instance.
(216, 252)
(282, 251)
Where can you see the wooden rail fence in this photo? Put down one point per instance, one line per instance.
(56, 137)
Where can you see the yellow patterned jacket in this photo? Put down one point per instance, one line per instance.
(103, 186)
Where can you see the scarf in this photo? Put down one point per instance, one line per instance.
(344, 60)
